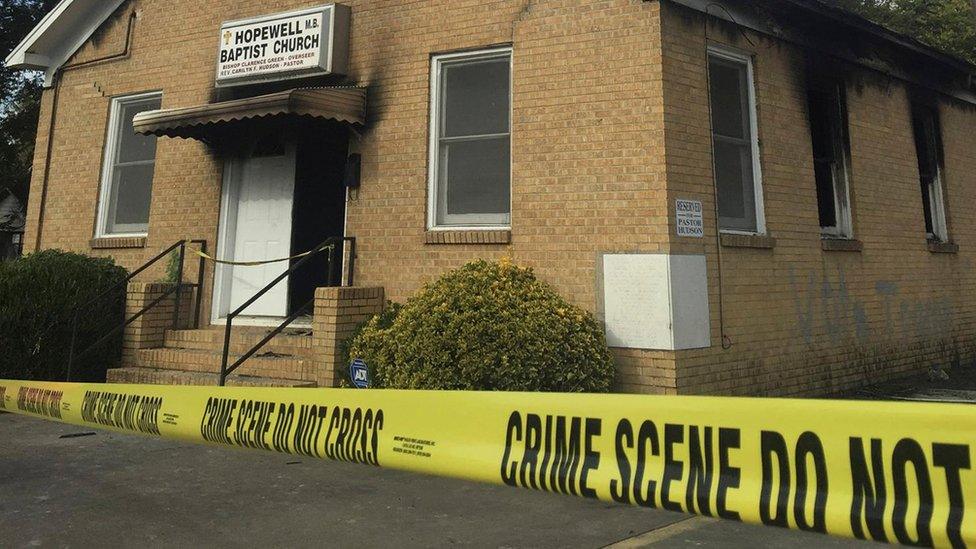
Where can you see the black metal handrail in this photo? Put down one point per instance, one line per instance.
(329, 244)
(177, 289)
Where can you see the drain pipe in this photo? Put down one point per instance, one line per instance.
(47, 162)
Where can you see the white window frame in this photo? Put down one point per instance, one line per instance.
(937, 203)
(433, 195)
(108, 163)
(738, 56)
(844, 227)
(940, 228)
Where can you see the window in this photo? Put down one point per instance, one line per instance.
(928, 147)
(128, 169)
(831, 153)
(735, 146)
(470, 164)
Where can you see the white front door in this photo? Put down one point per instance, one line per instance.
(257, 227)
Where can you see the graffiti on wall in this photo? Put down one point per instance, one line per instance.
(825, 305)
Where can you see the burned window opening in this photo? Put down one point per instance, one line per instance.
(928, 149)
(827, 109)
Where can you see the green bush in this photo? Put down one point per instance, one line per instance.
(172, 274)
(486, 326)
(365, 335)
(39, 293)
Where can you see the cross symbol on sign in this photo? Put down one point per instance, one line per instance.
(227, 36)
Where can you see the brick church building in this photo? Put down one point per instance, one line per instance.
(755, 197)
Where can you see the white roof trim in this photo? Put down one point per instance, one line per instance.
(60, 34)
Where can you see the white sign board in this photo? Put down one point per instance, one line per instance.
(297, 44)
(656, 301)
(688, 218)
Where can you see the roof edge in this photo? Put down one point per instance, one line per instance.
(864, 24)
(19, 56)
(846, 18)
(59, 34)
(931, 69)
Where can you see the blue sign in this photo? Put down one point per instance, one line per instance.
(359, 374)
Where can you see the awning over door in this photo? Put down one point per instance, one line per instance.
(342, 104)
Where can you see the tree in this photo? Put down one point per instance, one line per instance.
(947, 25)
(19, 96)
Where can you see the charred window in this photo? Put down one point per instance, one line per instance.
(928, 148)
(831, 153)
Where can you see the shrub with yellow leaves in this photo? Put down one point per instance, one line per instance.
(486, 326)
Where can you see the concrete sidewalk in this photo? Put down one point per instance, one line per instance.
(64, 486)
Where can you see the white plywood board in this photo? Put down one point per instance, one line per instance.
(655, 301)
(691, 326)
(635, 298)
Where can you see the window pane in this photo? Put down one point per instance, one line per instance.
(824, 172)
(736, 190)
(131, 192)
(927, 204)
(476, 97)
(927, 147)
(475, 179)
(827, 131)
(821, 107)
(727, 82)
(134, 147)
(128, 188)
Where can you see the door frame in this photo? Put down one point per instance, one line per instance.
(226, 233)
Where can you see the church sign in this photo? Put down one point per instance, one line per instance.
(298, 44)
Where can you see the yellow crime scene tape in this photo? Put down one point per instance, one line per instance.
(895, 472)
(261, 262)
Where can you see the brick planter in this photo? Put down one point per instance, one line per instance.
(338, 311)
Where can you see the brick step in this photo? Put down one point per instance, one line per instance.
(157, 376)
(190, 360)
(241, 341)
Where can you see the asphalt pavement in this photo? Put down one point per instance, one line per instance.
(66, 486)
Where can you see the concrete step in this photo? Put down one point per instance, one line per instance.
(290, 342)
(263, 364)
(158, 376)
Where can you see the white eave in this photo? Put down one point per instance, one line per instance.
(60, 34)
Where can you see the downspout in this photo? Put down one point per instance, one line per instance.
(47, 163)
(54, 115)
